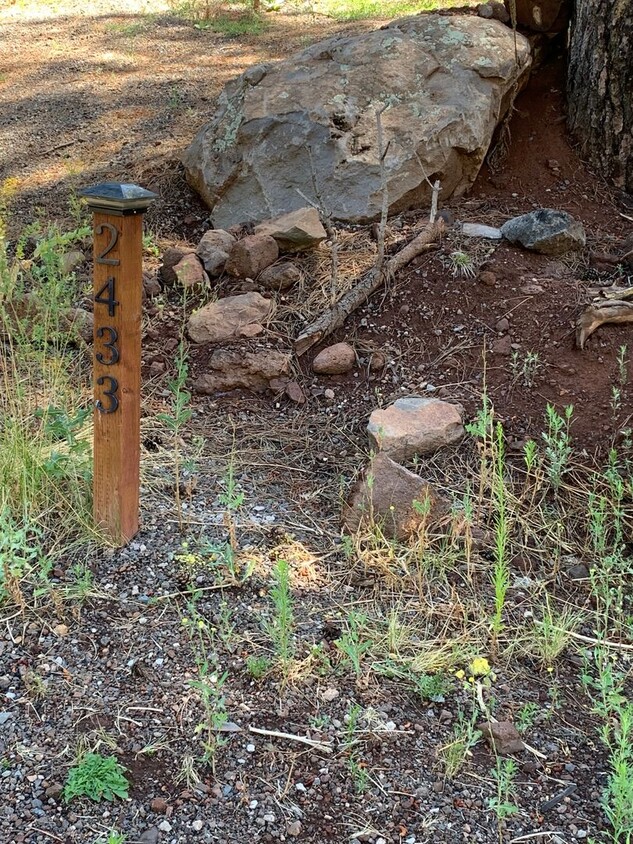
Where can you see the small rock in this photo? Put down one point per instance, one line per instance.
(294, 829)
(393, 497)
(80, 322)
(69, 261)
(578, 572)
(4, 717)
(280, 276)
(414, 425)
(499, 11)
(60, 630)
(489, 279)
(213, 250)
(190, 273)
(532, 289)
(197, 826)
(54, 790)
(301, 229)
(502, 736)
(150, 836)
(159, 805)
(164, 826)
(329, 695)
(328, 394)
(250, 748)
(377, 361)
(156, 368)
(171, 257)
(251, 255)
(546, 230)
(269, 818)
(334, 360)
(224, 319)
(294, 392)
(503, 346)
(503, 325)
(478, 230)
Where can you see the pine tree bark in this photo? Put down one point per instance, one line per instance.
(600, 86)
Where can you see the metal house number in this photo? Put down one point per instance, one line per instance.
(107, 296)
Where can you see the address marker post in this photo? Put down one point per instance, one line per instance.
(118, 286)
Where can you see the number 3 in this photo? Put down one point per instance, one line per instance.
(110, 345)
(111, 394)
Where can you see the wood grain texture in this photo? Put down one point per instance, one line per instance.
(117, 434)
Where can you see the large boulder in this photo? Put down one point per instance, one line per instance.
(281, 128)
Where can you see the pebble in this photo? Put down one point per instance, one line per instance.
(294, 828)
(165, 826)
(4, 717)
(197, 826)
(250, 748)
(269, 818)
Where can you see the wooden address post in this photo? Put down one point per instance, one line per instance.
(118, 285)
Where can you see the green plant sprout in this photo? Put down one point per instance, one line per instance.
(97, 777)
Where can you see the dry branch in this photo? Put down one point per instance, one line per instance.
(318, 745)
(335, 316)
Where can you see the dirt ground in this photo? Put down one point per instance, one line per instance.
(109, 94)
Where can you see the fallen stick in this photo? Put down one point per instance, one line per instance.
(291, 737)
(335, 316)
(597, 314)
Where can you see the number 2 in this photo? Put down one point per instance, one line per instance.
(111, 394)
(114, 236)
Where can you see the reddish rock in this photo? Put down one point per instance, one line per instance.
(159, 805)
(488, 278)
(334, 360)
(502, 736)
(230, 369)
(295, 393)
(251, 255)
(414, 425)
(502, 346)
(227, 317)
(394, 498)
(190, 273)
(171, 257)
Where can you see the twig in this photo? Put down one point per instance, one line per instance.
(536, 835)
(291, 737)
(335, 316)
(434, 199)
(384, 210)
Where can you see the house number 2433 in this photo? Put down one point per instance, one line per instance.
(109, 355)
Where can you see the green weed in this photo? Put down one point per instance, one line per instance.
(97, 777)
(280, 626)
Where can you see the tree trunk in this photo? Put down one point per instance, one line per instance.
(600, 86)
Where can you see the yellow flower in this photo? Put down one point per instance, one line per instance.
(479, 667)
(201, 624)
(184, 620)
(460, 674)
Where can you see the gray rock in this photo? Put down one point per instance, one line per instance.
(280, 276)
(70, 261)
(478, 230)
(229, 369)
(150, 836)
(228, 317)
(547, 231)
(213, 250)
(414, 425)
(4, 717)
(446, 80)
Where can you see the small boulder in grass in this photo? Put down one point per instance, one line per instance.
(249, 256)
(298, 230)
(334, 360)
(502, 736)
(389, 495)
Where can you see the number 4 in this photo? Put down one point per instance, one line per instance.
(108, 300)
